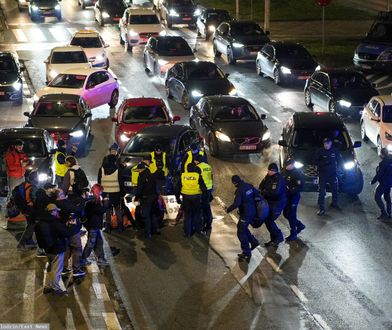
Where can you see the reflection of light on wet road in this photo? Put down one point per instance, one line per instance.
(101, 112)
(287, 98)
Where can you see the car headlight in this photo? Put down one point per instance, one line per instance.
(17, 85)
(133, 33)
(173, 12)
(197, 12)
(298, 165)
(388, 136)
(233, 91)
(212, 28)
(42, 177)
(237, 45)
(318, 68)
(57, 7)
(52, 74)
(162, 33)
(34, 8)
(197, 93)
(349, 165)
(221, 136)
(386, 55)
(100, 58)
(124, 138)
(285, 70)
(162, 62)
(345, 103)
(35, 98)
(105, 15)
(77, 134)
(266, 136)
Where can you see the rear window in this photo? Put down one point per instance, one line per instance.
(33, 147)
(7, 64)
(68, 81)
(237, 113)
(173, 47)
(69, 57)
(144, 144)
(381, 32)
(387, 114)
(143, 19)
(147, 114)
(57, 109)
(87, 42)
(246, 29)
(203, 71)
(313, 138)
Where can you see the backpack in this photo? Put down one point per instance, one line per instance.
(20, 197)
(262, 209)
(80, 181)
(44, 235)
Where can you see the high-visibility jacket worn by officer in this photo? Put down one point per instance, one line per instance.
(192, 183)
(134, 176)
(188, 158)
(60, 169)
(206, 173)
(153, 165)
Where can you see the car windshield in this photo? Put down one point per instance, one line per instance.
(7, 64)
(349, 80)
(381, 32)
(57, 109)
(143, 19)
(203, 71)
(144, 114)
(292, 51)
(113, 3)
(249, 29)
(144, 143)
(87, 42)
(313, 138)
(68, 57)
(33, 147)
(243, 112)
(68, 81)
(387, 114)
(218, 16)
(173, 47)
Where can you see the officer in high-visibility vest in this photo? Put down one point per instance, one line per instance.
(189, 157)
(158, 167)
(206, 173)
(59, 160)
(191, 187)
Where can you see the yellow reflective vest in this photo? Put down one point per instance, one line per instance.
(190, 183)
(153, 166)
(135, 176)
(206, 173)
(190, 159)
(60, 169)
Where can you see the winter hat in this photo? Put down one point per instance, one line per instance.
(60, 143)
(273, 167)
(235, 179)
(114, 146)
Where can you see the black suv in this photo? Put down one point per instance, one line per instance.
(303, 136)
(11, 85)
(39, 9)
(239, 40)
(178, 12)
(37, 145)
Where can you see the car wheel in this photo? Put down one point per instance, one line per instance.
(230, 56)
(83, 5)
(114, 99)
(107, 64)
(277, 78)
(101, 22)
(363, 132)
(192, 123)
(19, 101)
(358, 186)
(332, 107)
(308, 99)
(121, 40)
(212, 146)
(155, 68)
(215, 50)
(145, 63)
(379, 146)
(259, 70)
(185, 100)
(198, 32)
(129, 47)
(168, 93)
(169, 24)
(208, 36)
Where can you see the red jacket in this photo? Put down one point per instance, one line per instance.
(14, 163)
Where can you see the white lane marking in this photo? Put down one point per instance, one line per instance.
(370, 76)
(113, 74)
(263, 109)
(276, 118)
(101, 292)
(298, 293)
(130, 95)
(381, 79)
(70, 324)
(19, 35)
(37, 35)
(252, 101)
(386, 86)
(94, 268)
(124, 89)
(59, 33)
(274, 266)
(111, 321)
(71, 30)
(321, 321)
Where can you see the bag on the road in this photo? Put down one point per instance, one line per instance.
(20, 199)
(80, 180)
(262, 209)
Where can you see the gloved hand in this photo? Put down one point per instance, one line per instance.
(211, 198)
(179, 201)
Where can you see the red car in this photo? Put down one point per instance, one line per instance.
(137, 113)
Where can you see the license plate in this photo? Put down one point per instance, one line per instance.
(253, 53)
(303, 77)
(186, 18)
(316, 181)
(252, 147)
(127, 183)
(2, 93)
(116, 19)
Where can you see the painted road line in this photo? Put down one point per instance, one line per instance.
(19, 35)
(94, 268)
(114, 75)
(71, 30)
(59, 33)
(299, 293)
(274, 266)
(124, 89)
(264, 109)
(100, 291)
(380, 79)
(252, 101)
(321, 321)
(276, 119)
(386, 86)
(37, 35)
(111, 321)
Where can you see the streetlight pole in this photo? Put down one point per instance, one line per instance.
(267, 9)
(237, 9)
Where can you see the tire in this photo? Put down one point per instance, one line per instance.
(145, 64)
(277, 77)
(129, 47)
(357, 189)
(208, 36)
(192, 124)
(155, 70)
(198, 32)
(379, 146)
(19, 101)
(121, 40)
(169, 24)
(168, 93)
(332, 107)
(363, 132)
(107, 64)
(308, 99)
(230, 56)
(185, 101)
(101, 22)
(212, 146)
(259, 70)
(215, 50)
(113, 99)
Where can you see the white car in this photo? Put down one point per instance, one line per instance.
(138, 25)
(96, 86)
(376, 122)
(64, 58)
(94, 47)
(161, 53)
(145, 4)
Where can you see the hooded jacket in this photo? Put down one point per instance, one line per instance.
(14, 161)
(107, 176)
(68, 182)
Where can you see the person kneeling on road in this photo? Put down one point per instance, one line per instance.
(244, 200)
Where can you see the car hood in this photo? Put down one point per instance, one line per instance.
(176, 59)
(184, 9)
(8, 78)
(211, 87)
(309, 156)
(252, 40)
(145, 28)
(373, 47)
(58, 90)
(61, 67)
(56, 124)
(356, 96)
(239, 129)
(38, 164)
(93, 52)
(299, 64)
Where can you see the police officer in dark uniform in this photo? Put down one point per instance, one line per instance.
(294, 185)
(273, 188)
(384, 178)
(328, 160)
(244, 200)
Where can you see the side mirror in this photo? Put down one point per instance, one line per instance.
(263, 116)
(88, 114)
(106, 46)
(115, 120)
(27, 114)
(374, 85)
(227, 75)
(357, 144)
(91, 60)
(176, 118)
(282, 143)
(46, 61)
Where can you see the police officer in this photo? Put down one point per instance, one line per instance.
(244, 200)
(206, 173)
(191, 187)
(328, 160)
(294, 185)
(158, 167)
(60, 155)
(135, 170)
(384, 178)
(273, 188)
(189, 156)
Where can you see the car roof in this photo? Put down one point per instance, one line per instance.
(164, 130)
(195, 63)
(226, 100)
(20, 132)
(140, 11)
(67, 48)
(86, 33)
(147, 101)
(386, 99)
(60, 97)
(317, 120)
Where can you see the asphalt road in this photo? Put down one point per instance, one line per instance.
(337, 276)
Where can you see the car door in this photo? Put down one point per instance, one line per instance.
(91, 94)
(177, 84)
(220, 35)
(267, 56)
(374, 122)
(105, 86)
(86, 115)
(97, 9)
(315, 87)
(151, 53)
(201, 22)
(205, 120)
(326, 93)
